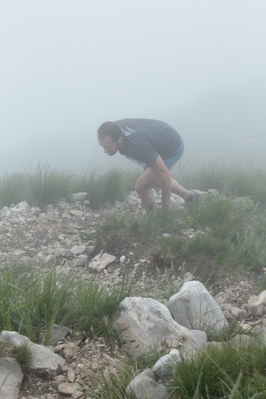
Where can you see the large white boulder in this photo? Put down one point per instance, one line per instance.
(194, 307)
(145, 324)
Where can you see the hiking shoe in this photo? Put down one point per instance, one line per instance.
(194, 198)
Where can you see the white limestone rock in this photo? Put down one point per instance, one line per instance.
(78, 249)
(11, 377)
(257, 305)
(145, 324)
(42, 357)
(194, 307)
(163, 366)
(99, 263)
(144, 386)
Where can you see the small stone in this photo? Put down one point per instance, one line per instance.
(78, 250)
(14, 220)
(122, 259)
(77, 394)
(68, 388)
(188, 277)
(77, 213)
(80, 262)
(70, 375)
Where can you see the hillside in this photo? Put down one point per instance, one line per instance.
(64, 235)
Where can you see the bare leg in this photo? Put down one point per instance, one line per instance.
(176, 188)
(143, 187)
(148, 180)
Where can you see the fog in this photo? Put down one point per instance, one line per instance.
(67, 66)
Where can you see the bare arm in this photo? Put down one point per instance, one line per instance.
(164, 179)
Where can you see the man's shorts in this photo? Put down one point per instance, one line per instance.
(170, 162)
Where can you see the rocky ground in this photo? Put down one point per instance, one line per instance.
(55, 236)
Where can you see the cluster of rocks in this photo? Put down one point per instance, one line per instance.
(185, 322)
(144, 324)
(47, 237)
(68, 368)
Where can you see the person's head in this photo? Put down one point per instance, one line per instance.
(110, 137)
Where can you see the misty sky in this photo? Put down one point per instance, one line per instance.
(69, 65)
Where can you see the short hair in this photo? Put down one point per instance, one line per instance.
(109, 129)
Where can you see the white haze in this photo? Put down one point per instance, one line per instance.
(67, 66)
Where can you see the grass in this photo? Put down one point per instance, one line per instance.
(44, 184)
(12, 189)
(230, 230)
(170, 246)
(23, 355)
(47, 185)
(232, 234)
(145, 226)
(95, 308)
(112, 385)
(105, 187)
(221, 372)
(31, 307)
(245, 181)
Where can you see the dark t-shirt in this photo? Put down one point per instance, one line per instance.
(145, 139)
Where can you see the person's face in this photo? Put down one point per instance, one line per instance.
(110, 147)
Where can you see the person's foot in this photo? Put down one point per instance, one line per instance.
(194, 198)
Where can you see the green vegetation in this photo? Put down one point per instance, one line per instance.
(95, 308)
(31, 306)
(113, 385)
(229, 227)
(44, 184)
(23, 356)
(104, 188)
(226, 229)
(245, 181)
(12, 189)
(221, 372)
(230, 232)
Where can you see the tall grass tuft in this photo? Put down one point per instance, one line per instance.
(233, 231)
(231, 180)
(96, 306)
(221, 372)
(33, 306)
(103, 188)
(12, 189)
(23, 355)
(51, 299)
(47, 185)
(113, 385)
